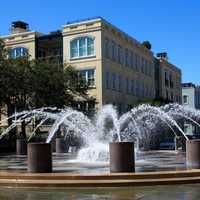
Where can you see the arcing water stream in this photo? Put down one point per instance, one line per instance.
(140, 122)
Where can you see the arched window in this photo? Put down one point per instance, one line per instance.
(82, 47)
(18, 52)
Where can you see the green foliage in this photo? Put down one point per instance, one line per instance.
(14, 80)
(31, 84)
(47, 83)
(73, 80)
(147, 44)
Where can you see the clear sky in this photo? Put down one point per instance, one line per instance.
(171, 25)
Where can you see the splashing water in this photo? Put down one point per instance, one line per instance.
(140, 123)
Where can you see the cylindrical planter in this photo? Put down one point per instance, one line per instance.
(193, 154)
(61, 146)
(21, 147)
(39, 158)
(122, 157)
(53, 145)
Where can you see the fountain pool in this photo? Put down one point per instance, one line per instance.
(174, 192)
(140, 124)
(146, 162)
(90, 165)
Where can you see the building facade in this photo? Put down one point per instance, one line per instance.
(191, 98)
(117, 68)
(168, 79)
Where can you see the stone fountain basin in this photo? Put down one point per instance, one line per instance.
(99, 180)
(146, 161)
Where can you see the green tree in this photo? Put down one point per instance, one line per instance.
(15, 87)
(147, 44)
(75, 85)
(47, 83)
(26, 83)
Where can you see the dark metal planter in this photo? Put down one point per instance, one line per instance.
(21, 147)
(193, 154)
(122, 157)
(39, 158)
(61, 146)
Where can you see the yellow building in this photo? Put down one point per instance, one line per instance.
(118, 69)
(168, 79)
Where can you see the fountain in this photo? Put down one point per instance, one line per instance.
(39, 158)
(139, 124)
(122, 157)
(61, 145)
(21, 146)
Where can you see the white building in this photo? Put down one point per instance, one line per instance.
(191, 98)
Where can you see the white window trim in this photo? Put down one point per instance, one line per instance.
(86, 76)
(78, 39)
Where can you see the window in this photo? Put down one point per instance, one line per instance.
(166, 79)
(120, 56)
(18, 52)
(41, 53)
(107, 48)
(113, 51)
(137, 62)
(142, 65)
(137, 88)
(167, 94)
(88, 76)
(131, 60)
(150, 69)
(171, 81)
(127, 86)
(107, 80)
(185, 99)
(146, 67)
(133, 87)
(126, 57)
(142, 89)
(113, 81)
(82, 47)
(119, 83)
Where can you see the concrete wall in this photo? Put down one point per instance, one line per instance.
(190, 93)
(95, 62)
(25, 39)
(132, 71)
(174, 93)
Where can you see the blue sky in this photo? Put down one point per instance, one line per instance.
(172, 25)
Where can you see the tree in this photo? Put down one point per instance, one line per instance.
(75, 85)
(147, 44)
(15, 83)
(26, 84)
(48, 84)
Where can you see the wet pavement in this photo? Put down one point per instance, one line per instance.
(175, 192)
(146, 161)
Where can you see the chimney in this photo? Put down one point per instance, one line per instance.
(162, 56)
(19, 27)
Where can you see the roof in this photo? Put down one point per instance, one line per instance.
(188, 85)
(99, 18)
